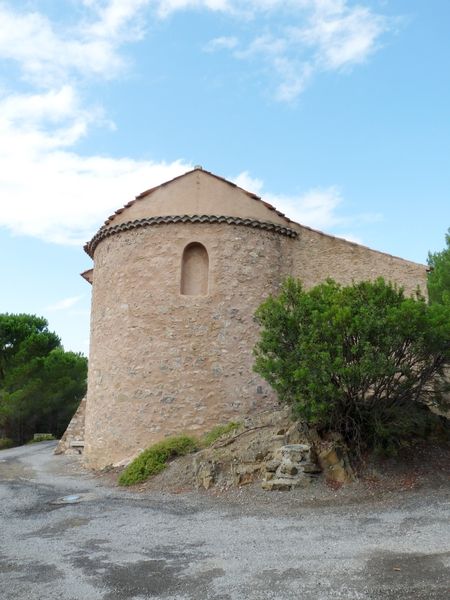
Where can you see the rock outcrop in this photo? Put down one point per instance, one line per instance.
(293, 465)
(268, 448)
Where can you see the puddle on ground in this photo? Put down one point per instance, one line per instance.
(72, 499)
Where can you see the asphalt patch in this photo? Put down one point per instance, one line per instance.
(409, 575)
(31, 572)
(162, 576)
(156, 578)
(58, 529)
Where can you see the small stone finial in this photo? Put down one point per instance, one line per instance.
(198, 168)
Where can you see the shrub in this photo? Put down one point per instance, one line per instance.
(41, 437)
(6, 443)
(212, 436)
(439, 274)
(359, 360)
(154, 459)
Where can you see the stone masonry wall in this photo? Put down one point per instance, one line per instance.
(74, 432)
(317, 256)
(162, 363)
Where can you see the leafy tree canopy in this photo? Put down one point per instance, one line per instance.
(359, 359)
(439, 276)
(40, 384)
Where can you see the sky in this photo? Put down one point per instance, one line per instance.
(335, 111)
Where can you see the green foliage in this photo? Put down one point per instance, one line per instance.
(154, 459)
(212, 436)
(439, 275)
(400, 429)
(22, 338)
(358, 360)
(6, 443)
(41, 385)
(41, 437)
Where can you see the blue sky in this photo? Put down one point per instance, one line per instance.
(337, 112)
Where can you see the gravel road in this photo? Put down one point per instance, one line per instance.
(65, 534)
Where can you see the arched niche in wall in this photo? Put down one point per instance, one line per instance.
(194, 270)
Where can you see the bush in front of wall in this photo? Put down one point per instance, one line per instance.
(155, 459)
(361, 360)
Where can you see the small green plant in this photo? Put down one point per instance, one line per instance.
(6, 443)
(155, 459)
(41, 437)
(212, 436)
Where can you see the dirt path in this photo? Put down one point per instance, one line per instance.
(111, 544)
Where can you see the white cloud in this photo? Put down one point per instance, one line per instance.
(249, 183)
(51, 192)
(167, 7)
(64, 304)
(54, 118)
(316, 208)
(319, 35)
(48, 191)
(116, 19)
(295, 38)
(294, 78)
(341, 37)
(49, 53)
(220, 43)
(57, 195)
(319, 208)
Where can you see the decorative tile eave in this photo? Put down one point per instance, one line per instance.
(105, 232)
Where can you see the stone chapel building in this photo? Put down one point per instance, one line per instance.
(178, 273)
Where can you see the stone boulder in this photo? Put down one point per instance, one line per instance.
(294, 465)
(268, 447)
(334, 460)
